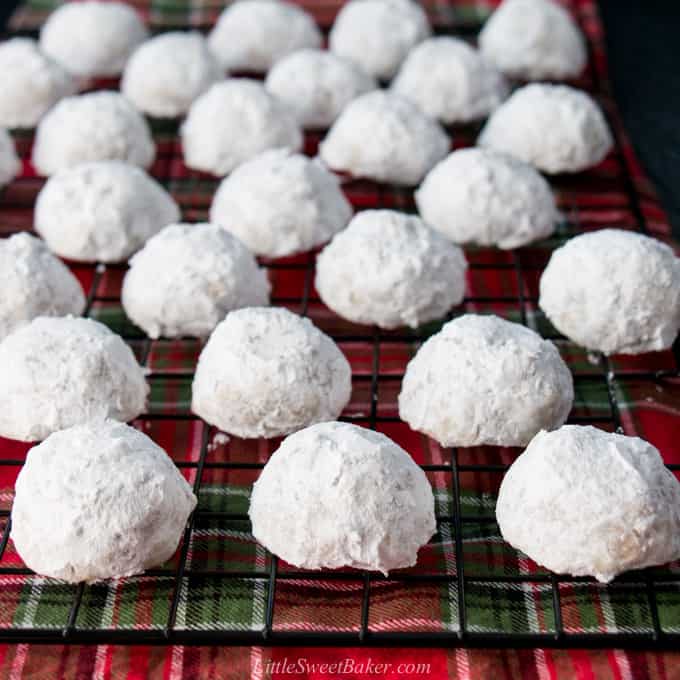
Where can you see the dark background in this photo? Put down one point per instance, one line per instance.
(643, 44)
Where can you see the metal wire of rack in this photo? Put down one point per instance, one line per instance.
(378, 361)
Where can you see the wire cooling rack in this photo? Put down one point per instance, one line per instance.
(469, 588)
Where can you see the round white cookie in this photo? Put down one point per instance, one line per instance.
(586, 502)
(390, 269)
(384, 137)
(337, 495)
(280, 203)
(614, 291)
(63, 371)
(34, 283)
(102, 211)
(488, 198)
(9, 161)
(554, 127)
(187, 277)
(317, 85)
(96, 501)
(253, 35)
(92, 39)
(32, 83)
(166, 74)
(234, 121)
(485, 381)
(534, 40)
(269, 372)
(378, 34)
(450, 81)
(99, 126)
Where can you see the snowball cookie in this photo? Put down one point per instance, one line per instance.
(534, 40)
(34, 283)
(485, 381)
(384, 137)
(187, 277)
(9, 161)
(280, 203)
(586, 502)
(614, 291)
(98, 126)
(390, 269)
(554, 127)
(337, 495)
(96, 501)
(32, 83)
(269, 372)
(484, 197)
(63, 371)
(102, 211)
(92, 39)
(165, 75)
(378, 34)
(234, 121)
(251, 36)
(317, 85)
(450, 81)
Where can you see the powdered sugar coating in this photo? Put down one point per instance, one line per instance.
(390, 269)
(253, 35)
(554, 127)
(280, 203)
(34, 283)
(337, 495)
(317, 85)
(166, 74)
(384, 137)
(614, 291)
(98, 126)
(534, 40)
(9, 161)
(96, 501)
(102, 211)
(378, 34)
(485, 381)
(187, 277)
(450, 81)
(234, 121)
(31, 83)
(481, 196)
(63, 371)
(586, 502)
(92, 39)
(269, 372)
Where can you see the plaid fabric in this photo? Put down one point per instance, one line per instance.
(504, 591)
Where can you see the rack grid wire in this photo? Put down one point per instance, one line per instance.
(469, 587)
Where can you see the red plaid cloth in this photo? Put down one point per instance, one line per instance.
(229, 663)
(648, 409)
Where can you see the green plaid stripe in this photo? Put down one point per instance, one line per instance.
(142, 603)
(213, 603)
(34, 602)
(618, 608)
(668, 598)
(509, 608)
